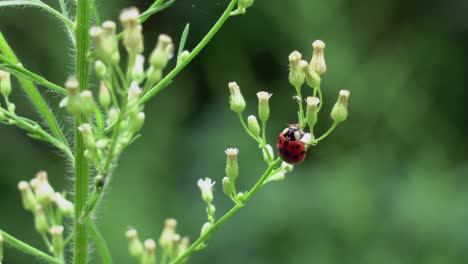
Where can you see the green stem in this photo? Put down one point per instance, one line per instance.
(168, 78)
(18, 244)
(261, 142)
(228, 215)
(327, 133)
(34, 95)
(81, 164)
(302, 122)
(100, 242)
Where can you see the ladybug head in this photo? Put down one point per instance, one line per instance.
(293, 132)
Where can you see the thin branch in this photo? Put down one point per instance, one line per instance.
(101, 245)
(21, 246)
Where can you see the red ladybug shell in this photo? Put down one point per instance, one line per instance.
(289, 146)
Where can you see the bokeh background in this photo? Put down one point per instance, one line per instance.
(389, 186)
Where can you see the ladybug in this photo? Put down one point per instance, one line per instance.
(290, 147)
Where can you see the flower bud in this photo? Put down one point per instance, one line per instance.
(66, 207)
(206, 189)
(149, 256)
(104, 96)
(339, 112)
(88, 137)
(109, 41)
(167, 235)
(5, 83)
(101, 69)
(228, 187)
(236, 99)
(312, 111)
(183, 56)
(73, 101)
(244, 4)
(154, 75)
(138, 72)
(27, 196)
(317, 64)
(313, 80)
(137, 122)
(232, 167)
(263, 105)
(287, 167)
(44, 192)
(57, 238)
(87, 103)
(133, 94)
(183, 245)
(133, 38)
(113, 116)
(135, 246)
(296, 73)
(266, 157)
(162, 53)
(40, 220)
(279, 176)
(205, 229)
(254, 127)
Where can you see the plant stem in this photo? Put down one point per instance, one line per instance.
(225, 217)
(168, 78)
(261, 142)
(34, 95)
(301, 107)
(81, 164)
(327, 133)
(18, 244)
(100, 242)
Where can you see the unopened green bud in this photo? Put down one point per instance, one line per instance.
(268, 158)
(135, 246)
(5, 83)
(104, 96)
(167, 234)
(27, 196)
(138, 72)
(133, 94)
(279, 176)
(240, 197)
(113, 116)
(263, 105)
(312, 78)
(101, 69)
(11, 107)
(245, 3)
(232, 167)
(66, 207)
(88, 136)
(287, 167)
(72, 101)
(206, 189)
(44, 191)
(183, 56)
(339, 112)
(254, 127)
(40, 220)
(149, 255)
(137, 122)
(317, 63)
(57, 238)
(162, 53)
(296, 73)
(210, 211)
(87, 103)
(183, 246)
(153, 75)
(228, 187)
(312, 111)
(205, 229)
(236, 99)
(133, 38)
(109, 42)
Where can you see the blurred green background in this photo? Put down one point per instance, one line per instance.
(389, 186)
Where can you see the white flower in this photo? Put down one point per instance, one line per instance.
(206, 188)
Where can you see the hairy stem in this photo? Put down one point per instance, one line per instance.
(228, 215)
(170, 76)
(81, 164)
(27, 249)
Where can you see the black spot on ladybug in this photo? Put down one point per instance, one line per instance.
(286, 143)
(287, 153)
(302, 153)
(296, 157)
